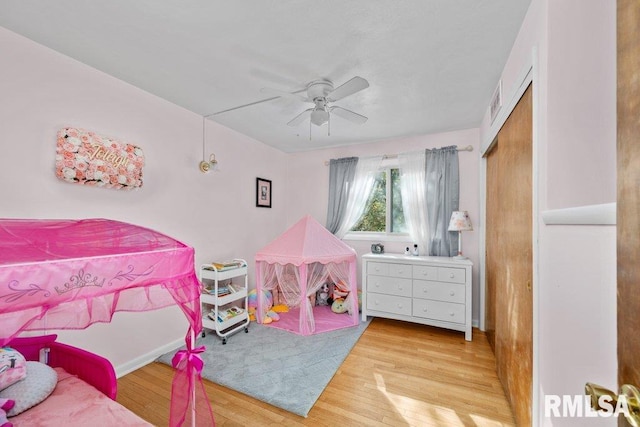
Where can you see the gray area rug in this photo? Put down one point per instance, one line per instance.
(281, 368)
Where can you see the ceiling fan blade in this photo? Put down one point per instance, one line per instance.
(354, 85)
(348, 115)
(300, 118)
(284, 94)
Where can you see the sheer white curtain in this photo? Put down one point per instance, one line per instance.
(317, 274)
(414, 197)
(365, 177)
(339, 272)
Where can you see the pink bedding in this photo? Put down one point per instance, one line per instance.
(76, 403)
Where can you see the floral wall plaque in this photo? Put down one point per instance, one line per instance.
(84, 157)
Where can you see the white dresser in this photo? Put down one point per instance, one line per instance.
(429, 290)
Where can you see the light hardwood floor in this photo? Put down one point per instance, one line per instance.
(398, 374)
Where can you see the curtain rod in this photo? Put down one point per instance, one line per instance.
(395, 156)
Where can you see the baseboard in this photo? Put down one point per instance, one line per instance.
(145, 359)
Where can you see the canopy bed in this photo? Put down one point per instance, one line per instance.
(69, 274)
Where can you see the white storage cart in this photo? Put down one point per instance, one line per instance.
(224, 301)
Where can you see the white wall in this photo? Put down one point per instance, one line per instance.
(43, 91)
(308, 190)
(574, 114)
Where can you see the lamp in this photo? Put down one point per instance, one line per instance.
(460, 222)
(206, 166)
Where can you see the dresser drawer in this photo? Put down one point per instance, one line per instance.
(453, 275)
(400, 270)
(389, 269)
(449, 292)
(438, 310)
(378, 268)
(389, 285)
(389, 304)
(425, 272)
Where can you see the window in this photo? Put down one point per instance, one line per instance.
(383, 213)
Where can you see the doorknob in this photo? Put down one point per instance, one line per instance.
(629, 392)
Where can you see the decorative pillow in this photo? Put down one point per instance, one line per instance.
(12, 367)
(39, 383)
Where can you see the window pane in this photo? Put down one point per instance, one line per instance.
(397, 216)
(374, 217)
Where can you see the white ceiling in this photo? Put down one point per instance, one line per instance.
(432, 65)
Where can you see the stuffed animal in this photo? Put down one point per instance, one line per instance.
(339, 306)
(267, 301)
(5, 406)
(322, 296)
(340, 290)
(252, 299)
(280, 308)
(13, 367)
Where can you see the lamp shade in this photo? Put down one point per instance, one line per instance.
(460, 221)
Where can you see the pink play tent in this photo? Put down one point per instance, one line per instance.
(297, 264)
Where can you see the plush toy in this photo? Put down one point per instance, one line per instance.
(322, 296)
(252, 302)
(13, 367)
(280, 308)
(252, 299)
(339, 306)
(267, 302)
(5, 406)
(340, 290)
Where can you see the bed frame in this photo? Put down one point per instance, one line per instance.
(89, 367)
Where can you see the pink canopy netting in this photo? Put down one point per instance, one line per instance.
(69, 274)
(298, 263)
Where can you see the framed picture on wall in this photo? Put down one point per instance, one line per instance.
(263, 193)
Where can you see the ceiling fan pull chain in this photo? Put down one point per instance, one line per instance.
(329, 125)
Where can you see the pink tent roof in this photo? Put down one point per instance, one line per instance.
(305, 242)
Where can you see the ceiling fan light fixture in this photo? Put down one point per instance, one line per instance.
(319, 117)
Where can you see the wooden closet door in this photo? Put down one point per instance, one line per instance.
(510, 256)
(628, 198)
(492, 248)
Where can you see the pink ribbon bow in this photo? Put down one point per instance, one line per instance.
(192, 358)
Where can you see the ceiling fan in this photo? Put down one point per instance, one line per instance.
(322, 93)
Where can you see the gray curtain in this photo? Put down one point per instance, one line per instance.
(443, 196)
(341, 177)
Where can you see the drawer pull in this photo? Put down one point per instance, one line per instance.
(399, 305)
(452, 293)
(425, 290)
(451, 314)
(451, 276)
